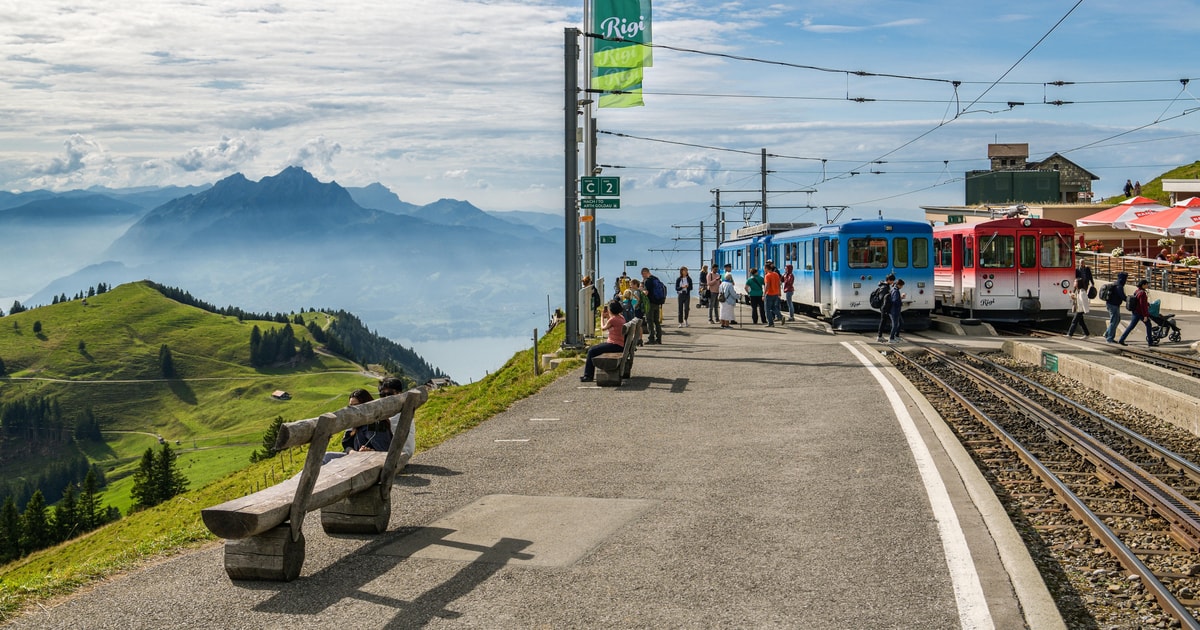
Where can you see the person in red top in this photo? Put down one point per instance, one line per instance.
(1141, 313)
(772, 290)
(789, 288)
(614, 325)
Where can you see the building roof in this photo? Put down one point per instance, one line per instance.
(1063, 158)
(1011, 150)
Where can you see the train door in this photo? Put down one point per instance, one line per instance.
(828, 268)
(1028, 281)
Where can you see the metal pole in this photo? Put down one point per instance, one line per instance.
(717, 192)
(590, 245)
(764, 185)
(570, 184)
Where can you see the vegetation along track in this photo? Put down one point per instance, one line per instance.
(1109, 514)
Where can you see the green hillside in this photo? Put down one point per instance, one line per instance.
(1153, 188)
(104, 356)
(176, 525)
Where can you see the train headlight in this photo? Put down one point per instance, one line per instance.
(1026, 222)
(988, 284)
(1065, 283)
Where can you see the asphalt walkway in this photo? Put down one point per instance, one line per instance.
(745, 478)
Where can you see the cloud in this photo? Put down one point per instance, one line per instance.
(807, 24)
(316, 156)
(80, 151)
(227, 154)
(694, 170)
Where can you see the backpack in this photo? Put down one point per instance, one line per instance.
(1106, 291)
(1131, 302)
(656, 290)
(879, 296)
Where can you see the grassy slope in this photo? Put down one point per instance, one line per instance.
(176, 525)
(217, 410)
(1153, 188)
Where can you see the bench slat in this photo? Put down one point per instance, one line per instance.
(256, 513)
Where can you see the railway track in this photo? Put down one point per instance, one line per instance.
(1054, 457)
(1177, 363)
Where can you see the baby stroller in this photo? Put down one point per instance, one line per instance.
(1164, 325)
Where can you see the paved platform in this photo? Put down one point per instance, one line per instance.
(755, 477)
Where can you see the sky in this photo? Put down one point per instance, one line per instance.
(463, 99)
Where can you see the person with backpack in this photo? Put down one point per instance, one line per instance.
(772, 292)
(754, 293)
(894, 304)
(656, 294)
(879, 300)
(1113, 295)
(1079, 308)
(789, 289)
(712, 282)
(1139, 305)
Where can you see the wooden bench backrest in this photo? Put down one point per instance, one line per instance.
(632, 330)
(317, 432)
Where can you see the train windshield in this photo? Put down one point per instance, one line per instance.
(996, 252)
(1056, 251)
(867, 253)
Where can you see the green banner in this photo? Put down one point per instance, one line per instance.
(617, 60)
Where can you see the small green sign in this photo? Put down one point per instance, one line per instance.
(600, 186)
(630, 263)
(603, 204)
(954, 218)
(1050, 361)
(608, 240)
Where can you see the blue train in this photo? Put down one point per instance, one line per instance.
(837, 266)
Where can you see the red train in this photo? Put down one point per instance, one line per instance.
(1006, 270)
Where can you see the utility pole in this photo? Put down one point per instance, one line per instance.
(590, 242)
(571, 185)
(718, 225)
(764, 185)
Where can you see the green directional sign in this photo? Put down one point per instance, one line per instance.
(630, 263)
(591, 204)
(608, 240)
(600, 186)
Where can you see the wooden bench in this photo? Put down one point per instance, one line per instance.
(263, 531)
(611, 367)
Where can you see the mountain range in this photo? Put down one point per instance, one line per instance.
(444, 270)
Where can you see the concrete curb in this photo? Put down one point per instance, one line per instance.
(1037, 604)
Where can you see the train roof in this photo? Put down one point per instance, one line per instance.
(1013, 223)
(853, 226)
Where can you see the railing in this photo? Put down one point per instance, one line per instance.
(1162, 276)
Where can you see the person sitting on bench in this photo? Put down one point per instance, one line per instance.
(614, 324)
(370, 437)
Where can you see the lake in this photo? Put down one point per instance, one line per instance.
(470, 359)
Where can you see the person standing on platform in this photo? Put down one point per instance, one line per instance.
(883, 309)
(656, 296)
(727, 296)
(1113, 302)
(1084, 273)
(895, 303)
(789, 288)
(1080, 304)
(1141, 313)
(772, 291)
(683, 295)
(1128, 188)
(754, 292)
(713, 283)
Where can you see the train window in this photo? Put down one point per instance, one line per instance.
(996, 251)
(832, 255)
(945, 253)
(920, 253)
(869, 253)
(968, 252)
(900, 252)
(1029, 251)
(1056, 251)
(738, 258)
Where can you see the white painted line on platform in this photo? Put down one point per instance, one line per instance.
(524, 440)
(968, 592)
(543, 419)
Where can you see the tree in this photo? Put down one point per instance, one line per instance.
(35, 527)
(16, 308)
(171, 481)
(10, 531)
(66, 515)
(144, 492)
(165, 363)
(82, 346)
(37, 327)
(268, 442)
(88, 510)
(3, 370)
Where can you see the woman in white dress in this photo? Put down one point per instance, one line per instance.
(728, 297)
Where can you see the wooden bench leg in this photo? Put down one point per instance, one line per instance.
(362, 513)
(271, 555)
(608, 378)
